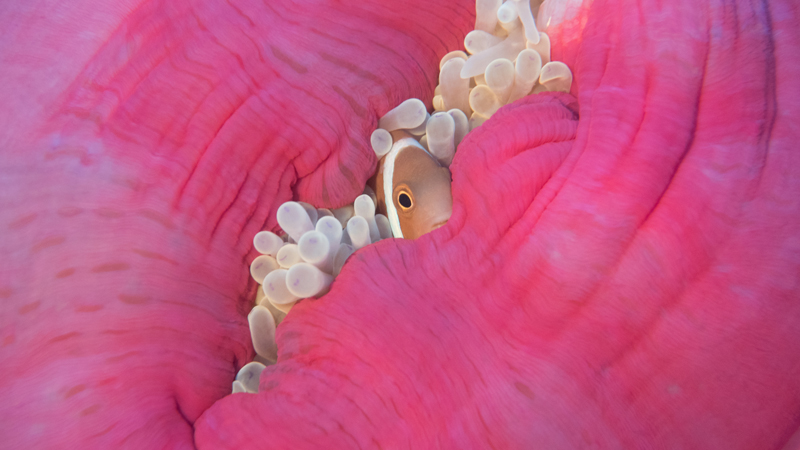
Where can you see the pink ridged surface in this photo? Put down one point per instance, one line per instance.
(620, 271)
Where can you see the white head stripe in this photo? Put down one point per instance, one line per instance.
(388, 182)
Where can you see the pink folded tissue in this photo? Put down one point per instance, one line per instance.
(468, 224)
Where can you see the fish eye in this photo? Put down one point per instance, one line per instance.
(404, 200)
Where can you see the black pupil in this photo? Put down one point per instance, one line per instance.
(404, 200)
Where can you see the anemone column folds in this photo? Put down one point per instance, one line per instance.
(619, 270)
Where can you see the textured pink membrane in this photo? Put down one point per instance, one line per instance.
(620, 271)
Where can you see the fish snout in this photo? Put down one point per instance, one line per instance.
(438, 225)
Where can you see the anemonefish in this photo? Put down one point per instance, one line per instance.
(412, 189)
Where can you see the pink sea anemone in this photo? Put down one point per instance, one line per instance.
(620, 269)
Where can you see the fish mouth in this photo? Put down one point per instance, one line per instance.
(439, 224)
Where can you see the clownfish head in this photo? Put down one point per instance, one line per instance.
(413, 190)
